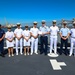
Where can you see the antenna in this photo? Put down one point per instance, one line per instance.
(6, 21)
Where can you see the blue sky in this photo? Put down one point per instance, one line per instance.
(30, 10)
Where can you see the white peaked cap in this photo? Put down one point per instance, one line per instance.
(64, 22)
(43, 21)
(74, 22)
(54, 21)
(18, 23)
(35, 22)
(9, 26)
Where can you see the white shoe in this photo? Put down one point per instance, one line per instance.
(36, 53)
(21, 53)
(31, 53)
(69, 54)
(12, 54)
(16, 53)
(50, 53)
(9, 55)
(55, 53)
(25, 54)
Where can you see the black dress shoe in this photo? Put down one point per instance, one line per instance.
(74, 55)
(45, 53)
(66, 54)
(41, 52)
(2, 55)
(60, 53)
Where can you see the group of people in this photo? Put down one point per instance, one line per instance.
(29, 39)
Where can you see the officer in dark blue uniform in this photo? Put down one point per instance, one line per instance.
(44, 38)
(64, 34)
(2, 35)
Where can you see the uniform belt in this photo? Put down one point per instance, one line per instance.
(64, 36)
(43, 36)
(53, 35)
(73, 37)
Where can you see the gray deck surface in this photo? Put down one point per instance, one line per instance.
(35, 65)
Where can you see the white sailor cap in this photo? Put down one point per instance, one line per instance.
(35, 22)
(18, 24)
(9, 26)
(54, 21)
(74, 22)
(43, 21)
(26, 26)
(64, 22)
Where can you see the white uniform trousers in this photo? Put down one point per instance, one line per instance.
(34, 45)
(53, 40)
(18, 42)
(72, 44)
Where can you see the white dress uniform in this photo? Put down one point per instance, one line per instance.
(18, 32)
(34, 42)
(9, 35)
(53, 38)
(72, 41)
(26, 33)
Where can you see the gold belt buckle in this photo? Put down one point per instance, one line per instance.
(64, 36)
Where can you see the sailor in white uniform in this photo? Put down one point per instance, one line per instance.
(53, 37)
(10, 40)
(26, 36)
(34, 38)
(18, 35)
(72, 32)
